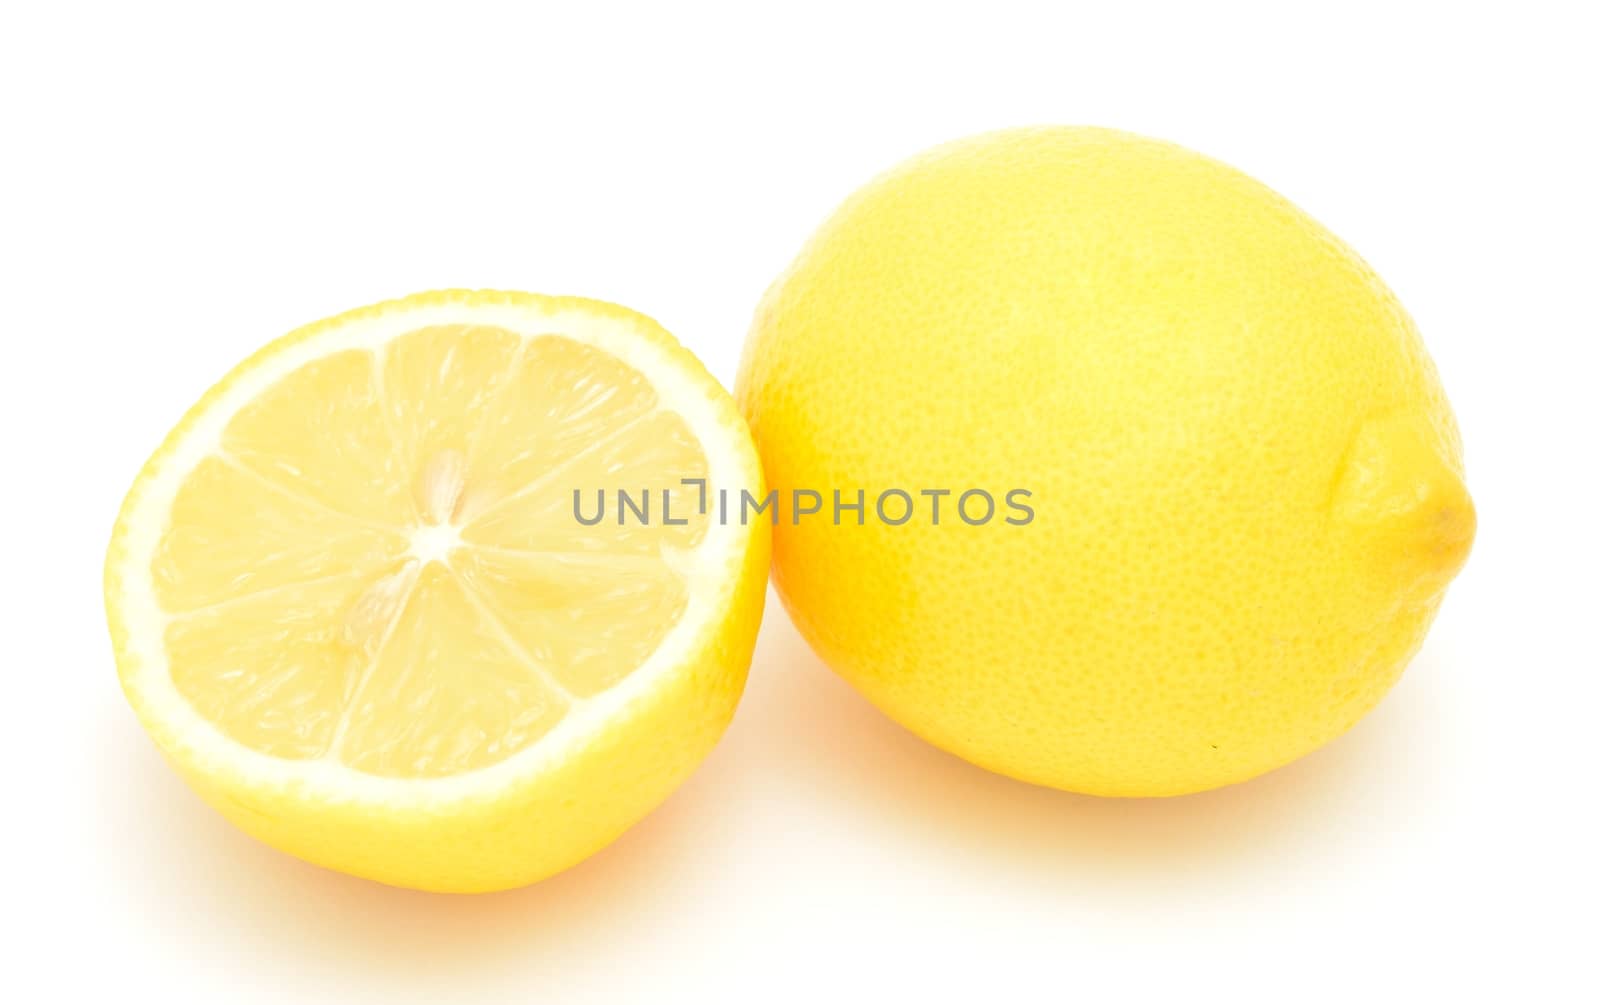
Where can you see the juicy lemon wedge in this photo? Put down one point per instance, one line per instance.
(353, 601)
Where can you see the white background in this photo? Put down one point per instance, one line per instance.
(180, 186)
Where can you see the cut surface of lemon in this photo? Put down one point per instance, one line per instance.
(360, 600)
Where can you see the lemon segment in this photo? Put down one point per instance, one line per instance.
(353, 604)
(445, 694)
(216, 548)
(320, 432)
(268, 668)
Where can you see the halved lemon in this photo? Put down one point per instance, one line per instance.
(360, 600)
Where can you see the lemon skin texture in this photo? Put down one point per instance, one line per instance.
(1246, 481)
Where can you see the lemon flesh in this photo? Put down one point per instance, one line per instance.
(353, 604)
(1245, 478)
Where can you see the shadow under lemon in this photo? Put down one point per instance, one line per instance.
(804, 750)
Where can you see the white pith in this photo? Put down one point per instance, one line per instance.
(709, 570)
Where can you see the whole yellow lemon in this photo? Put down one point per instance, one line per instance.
(1145, 482)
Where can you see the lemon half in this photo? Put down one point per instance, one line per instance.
(353, 604)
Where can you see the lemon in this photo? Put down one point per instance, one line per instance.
(352, 603)
(1239, 484)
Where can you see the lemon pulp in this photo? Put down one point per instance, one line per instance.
(370, 572)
